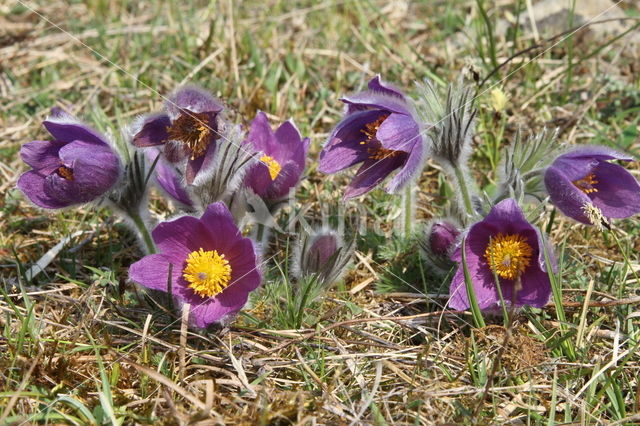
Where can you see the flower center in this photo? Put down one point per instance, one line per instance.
(207, 272)
(65, 172)
(192, 129)
(508, 255)
(273, 165)
(370, 130)
(586, 183)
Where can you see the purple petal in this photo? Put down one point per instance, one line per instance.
(290, 146)
(377, 100)
(177, 238)
(288, 178)
(483, 286)
(378, 85)
(224, 231)
(194, 99)
(203, 162)
(42, 155)
(399, 132)
(343, 148)
(260, 134)
(65, 128)
(153, 132)
(152, 271)
(31, 184)
(574, 168)
(168, 178)
(508, 215)
(596, 152)
(618, 192)
(536, 288)
(259, 179)
(412, 167)
(565, 195)
(371, 173)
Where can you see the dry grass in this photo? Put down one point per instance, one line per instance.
(80, 344)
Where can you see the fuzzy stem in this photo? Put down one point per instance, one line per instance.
(260, 233)
(408, 210)
(144, 232)
(464, 190)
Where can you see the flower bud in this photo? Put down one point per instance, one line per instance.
(323, 254)
(439, 241)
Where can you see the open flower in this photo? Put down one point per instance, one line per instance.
(582, 179)
(282, 157)
(213, 267)
(381, 132)
(505, 245)
(188, 129)
(76, 167)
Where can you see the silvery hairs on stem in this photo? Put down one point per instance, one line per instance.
(226, 174)
(520, 172)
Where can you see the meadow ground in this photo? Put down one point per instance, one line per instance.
(79, 344)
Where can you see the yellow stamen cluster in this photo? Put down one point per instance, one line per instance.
(586, 183)
(273, 165)
(192, 129)
(207, 272)
(508, 255)
(65, 172)
(370, 130)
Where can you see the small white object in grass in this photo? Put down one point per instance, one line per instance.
(48, 257)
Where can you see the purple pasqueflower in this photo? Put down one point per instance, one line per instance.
(188, 128)
(504, 244)
(442, 237)
(282, 158)
(76, 167)
(583, 178)
(168, 178)
(381, 131)
(214, 268)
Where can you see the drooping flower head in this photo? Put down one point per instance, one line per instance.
(323, 254)
(380, 130)
(506, 245)
(439, 241)
(282, 157)
(168, 178)
(582, 181)
(188, 128)
(76, 167)
(214, 268)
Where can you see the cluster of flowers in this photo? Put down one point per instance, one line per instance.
(500, 255)
(211, 168)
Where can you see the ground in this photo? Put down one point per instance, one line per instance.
(80, 344)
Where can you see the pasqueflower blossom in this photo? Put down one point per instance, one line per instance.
(506, 246)
(282, 157)
(188, 128)
(76, 167)
(582, 181)
(213, 267)
(380, 130)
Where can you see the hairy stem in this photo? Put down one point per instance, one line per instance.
(144, 232)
